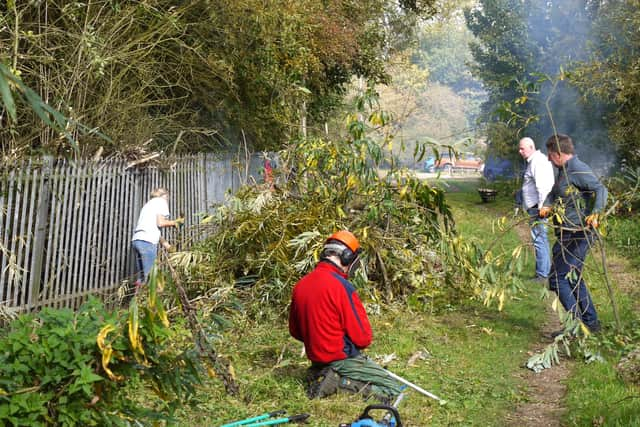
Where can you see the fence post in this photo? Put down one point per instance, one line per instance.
(40, 232)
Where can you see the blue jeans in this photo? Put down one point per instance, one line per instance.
(540, 242)
(146, 253)
(566, 280)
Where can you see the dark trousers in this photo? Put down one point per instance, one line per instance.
(568, 256)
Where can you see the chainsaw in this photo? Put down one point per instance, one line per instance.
(391, 418)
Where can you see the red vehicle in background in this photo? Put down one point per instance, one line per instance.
(463, 162)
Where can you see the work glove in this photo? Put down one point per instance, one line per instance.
(179, 222)
(592, 220)
(544, 211)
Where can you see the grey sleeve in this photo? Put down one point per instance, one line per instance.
(586, 180)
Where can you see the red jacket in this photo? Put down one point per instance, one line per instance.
(327, 315)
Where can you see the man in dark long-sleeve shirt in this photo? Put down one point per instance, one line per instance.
(580, 197)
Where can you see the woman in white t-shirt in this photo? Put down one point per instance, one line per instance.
(153, 216)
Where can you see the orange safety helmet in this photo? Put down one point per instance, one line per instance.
(347, 238)
(352, 246)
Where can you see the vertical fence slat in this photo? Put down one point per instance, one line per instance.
(117, 235)
(18, 228)
(181, 202)
(89, 233)
(76, 248)
(39, 233)
(108, 227)
(28, 236)
(86, 232)
(112, 233)
(196, 196)
(127, 230)
(4, 225)
(101, 257)
(72, 212)
(54, 233)
(138, 192)
(93, 213)
(188, 208)
(204, 193)
(132, 218)
(61, 233)
(96, 265)
(8, 262)
(123, 215)
(68, 235)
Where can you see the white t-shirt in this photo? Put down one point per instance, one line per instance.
(147, 227)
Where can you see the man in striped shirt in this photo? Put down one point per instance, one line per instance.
(536, 185)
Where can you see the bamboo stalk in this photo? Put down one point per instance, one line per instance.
(221, 366)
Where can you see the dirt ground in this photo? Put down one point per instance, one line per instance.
(547, 388)
(544, 404)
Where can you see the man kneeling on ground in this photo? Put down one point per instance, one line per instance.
(327, 315)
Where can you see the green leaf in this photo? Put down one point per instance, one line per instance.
(5, 91)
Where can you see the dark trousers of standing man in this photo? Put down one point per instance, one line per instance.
(569, 253)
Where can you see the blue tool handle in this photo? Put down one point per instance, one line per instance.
(294, 418)
(254, 419)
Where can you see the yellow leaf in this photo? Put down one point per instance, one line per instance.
(162, 315)
(211, 372)
(516, 252)
(585, 330)
(232, 371)
(133, 324)
(554, 304)
(102, 335)
(106, 358)
(351, 182)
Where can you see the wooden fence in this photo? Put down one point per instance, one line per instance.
(65, 228)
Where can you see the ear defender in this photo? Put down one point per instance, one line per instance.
(347, 257)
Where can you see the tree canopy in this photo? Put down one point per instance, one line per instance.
(523, 53)
(611, 74)
(187, 76)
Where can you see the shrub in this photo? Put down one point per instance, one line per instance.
(67, 368)
(266, 238)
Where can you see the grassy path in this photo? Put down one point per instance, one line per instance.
(470, 355)
(575, 393)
